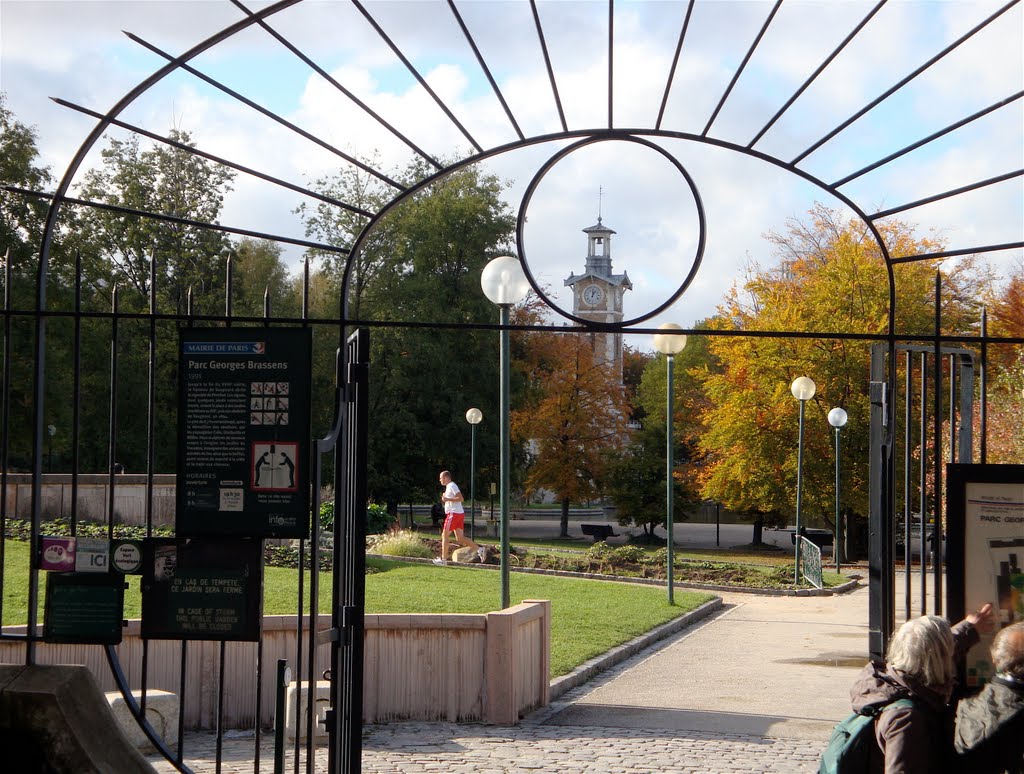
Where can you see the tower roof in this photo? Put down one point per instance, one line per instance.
(598, 228)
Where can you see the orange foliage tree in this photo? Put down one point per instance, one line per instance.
(574, 409)
(830, 278)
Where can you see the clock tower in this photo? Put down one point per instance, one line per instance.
(597, 294)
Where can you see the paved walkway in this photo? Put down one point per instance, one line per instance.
(756, 688)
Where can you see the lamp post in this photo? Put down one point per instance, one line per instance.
(473, 416)
(505, 284)
(803, 389)
(837, 418)
(669, 345)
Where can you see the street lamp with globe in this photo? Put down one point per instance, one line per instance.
(473, 416)
(670, 345)
(837, 418)
(803, 389)
(504, 283)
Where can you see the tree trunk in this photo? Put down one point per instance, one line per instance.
(758, 527)
(565, 518)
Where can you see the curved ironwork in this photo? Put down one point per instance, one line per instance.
(571, 137)
(524, 207)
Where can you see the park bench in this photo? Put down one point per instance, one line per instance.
(598, 531)
(820, 537)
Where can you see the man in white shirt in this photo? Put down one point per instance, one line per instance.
(454, 519)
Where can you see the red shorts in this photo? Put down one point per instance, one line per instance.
(454, 521)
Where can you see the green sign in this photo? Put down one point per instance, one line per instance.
(202, 589)
(243, 432)
(83, 608)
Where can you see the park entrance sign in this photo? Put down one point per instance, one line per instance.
(243, 432)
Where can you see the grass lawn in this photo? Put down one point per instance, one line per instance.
(588, 617)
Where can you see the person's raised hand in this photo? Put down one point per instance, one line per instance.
(982, 619)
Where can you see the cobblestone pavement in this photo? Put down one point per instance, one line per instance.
(433, 747)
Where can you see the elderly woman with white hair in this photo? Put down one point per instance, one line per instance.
(920, 666)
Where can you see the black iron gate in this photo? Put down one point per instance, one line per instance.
(902, 445)
(344, 721)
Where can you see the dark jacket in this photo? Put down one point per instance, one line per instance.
(990, 729)
(916, 739)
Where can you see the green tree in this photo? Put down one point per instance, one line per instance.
(164, 180)
(21, 227)
(21, 216)
(422, 263)
(636, 481)
(117, 249)
(258, 270)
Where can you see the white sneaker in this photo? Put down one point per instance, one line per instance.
(482, 553)
(440, 562)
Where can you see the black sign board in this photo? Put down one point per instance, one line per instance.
(83, 608)
(985, 550)
(202, 589)
(243, 432)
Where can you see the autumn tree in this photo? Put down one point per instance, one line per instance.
(574, 411)
(830, 278)
(1005, 372)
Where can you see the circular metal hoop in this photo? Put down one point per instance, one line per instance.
(549, 165)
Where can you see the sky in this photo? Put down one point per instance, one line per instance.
(77, 51)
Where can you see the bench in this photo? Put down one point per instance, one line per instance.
(820, 537)
(598, 531)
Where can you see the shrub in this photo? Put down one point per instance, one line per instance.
(378, 519)
(629, 555)
(327, 515)
(600, 550)
(400, 542)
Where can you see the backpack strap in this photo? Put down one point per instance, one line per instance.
(874, 710)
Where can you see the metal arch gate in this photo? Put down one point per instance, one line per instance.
(353, 371)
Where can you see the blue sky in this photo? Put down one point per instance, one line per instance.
(76, 50)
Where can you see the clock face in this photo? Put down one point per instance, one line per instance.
(593, 295)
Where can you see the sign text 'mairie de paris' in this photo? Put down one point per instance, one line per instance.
(243, 432)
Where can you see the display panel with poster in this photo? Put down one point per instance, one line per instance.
(985, 540)
(243, 432)
(202, 589)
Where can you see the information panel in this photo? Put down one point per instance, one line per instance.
(986, 549)
(202, 589)
(243, 432)
(83, 608)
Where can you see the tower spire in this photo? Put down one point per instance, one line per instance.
(600, 196)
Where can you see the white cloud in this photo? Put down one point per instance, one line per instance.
(76, 50)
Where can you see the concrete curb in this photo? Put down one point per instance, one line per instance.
(588, 669)
(850, 585)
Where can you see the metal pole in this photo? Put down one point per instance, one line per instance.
(668, 478)
(835, 540)
(799, 493)
(504, 440)
(922, 474)
(283, 679)
(472, 482)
